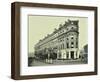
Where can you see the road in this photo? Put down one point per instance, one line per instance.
(56, 62)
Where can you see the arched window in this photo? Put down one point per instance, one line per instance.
(72, 37)
(72, 44)
(72, 28)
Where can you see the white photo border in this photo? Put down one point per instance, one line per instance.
(25, 70)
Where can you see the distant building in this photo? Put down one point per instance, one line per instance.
(63, 42)
(84, 53)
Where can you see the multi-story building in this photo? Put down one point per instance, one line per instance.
(63, 42)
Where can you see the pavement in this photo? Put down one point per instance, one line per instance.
(56, 62)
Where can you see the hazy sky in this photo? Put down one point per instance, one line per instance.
(40, 26)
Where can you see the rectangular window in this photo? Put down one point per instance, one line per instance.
(72, 47)
(72, 43)
(76, 44)
(67, 54)
(67, 45)
(63, 46)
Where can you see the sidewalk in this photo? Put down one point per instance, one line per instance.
(57, 62)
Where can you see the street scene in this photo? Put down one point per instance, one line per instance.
(61, 47)
(51, 62)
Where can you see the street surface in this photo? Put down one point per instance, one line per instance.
(56, 62)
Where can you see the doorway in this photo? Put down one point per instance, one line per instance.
(72, 54)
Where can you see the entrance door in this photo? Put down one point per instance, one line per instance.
(72, 54)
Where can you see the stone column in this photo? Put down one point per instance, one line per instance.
(69, 57)
(78, 53)
(74, 54)
(57, 55)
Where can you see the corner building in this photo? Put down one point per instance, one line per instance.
(63, 41)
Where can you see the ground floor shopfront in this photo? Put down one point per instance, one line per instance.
(68, 54)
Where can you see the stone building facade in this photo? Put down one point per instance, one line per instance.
(63, 42)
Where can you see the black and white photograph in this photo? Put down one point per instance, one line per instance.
(57, 40)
